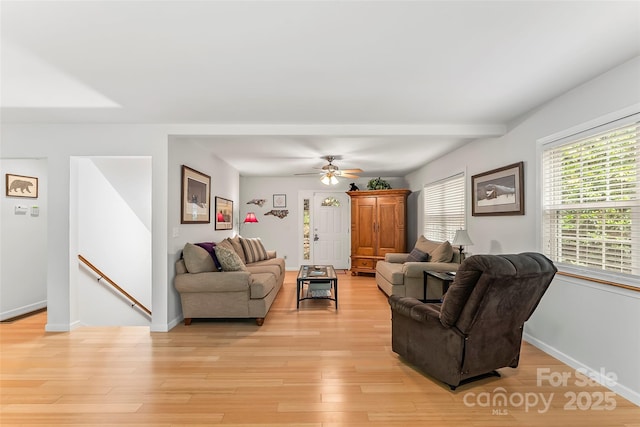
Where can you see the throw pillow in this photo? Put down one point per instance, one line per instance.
(443, 253)
(229, 259)
(226, 243)
(197, 259)
(253, 249)
(208, 246)
(426, 245)
(417, 255)
(237, 246)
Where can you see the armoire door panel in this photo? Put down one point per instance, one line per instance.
(365, 235)
(387, 218)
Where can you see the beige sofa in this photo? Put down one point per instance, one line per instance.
(396, 276)
(246, 293)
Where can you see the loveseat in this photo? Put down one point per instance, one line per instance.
(403, 273)
(235, 278)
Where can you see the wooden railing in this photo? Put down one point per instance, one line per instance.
(112, 283)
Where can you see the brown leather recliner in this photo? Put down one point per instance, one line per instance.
(478, 326)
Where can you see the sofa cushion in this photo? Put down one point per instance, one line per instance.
(259, 267)
(197, 259)
(208, 246)
(416, 255)
(443, 253)
(391, 271)
(253, 250)
(237, 246)
(229, 259)
(261, 284)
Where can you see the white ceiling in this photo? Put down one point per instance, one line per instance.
(387, 85)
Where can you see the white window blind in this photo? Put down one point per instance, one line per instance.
(591, 200)
(444, 208)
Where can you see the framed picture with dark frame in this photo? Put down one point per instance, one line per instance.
(21, 186)
(499, 191)
(279, 200)
(224, 214)
(195, 197)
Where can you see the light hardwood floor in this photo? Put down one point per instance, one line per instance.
(307, 367)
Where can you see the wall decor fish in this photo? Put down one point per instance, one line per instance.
(258, 202)
(280, 213)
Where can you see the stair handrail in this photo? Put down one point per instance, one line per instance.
(114, 284)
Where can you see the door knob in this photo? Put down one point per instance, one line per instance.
(315, 237)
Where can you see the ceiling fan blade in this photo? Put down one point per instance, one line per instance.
(348, 175)
(352, 170)
(309, 173)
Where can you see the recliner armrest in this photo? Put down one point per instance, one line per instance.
(396, 258)
(415, 309)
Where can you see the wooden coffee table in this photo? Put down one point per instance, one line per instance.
(316, 282)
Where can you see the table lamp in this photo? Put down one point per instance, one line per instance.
(461, 239)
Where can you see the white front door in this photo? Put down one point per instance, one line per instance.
(331, 232)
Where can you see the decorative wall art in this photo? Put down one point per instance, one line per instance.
(499, 191)
(195, 206)
(258, 202)
(224, 214)
(280, 213)
(279, 200)
(22, 186)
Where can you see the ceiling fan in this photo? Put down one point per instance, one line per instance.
(330, 172)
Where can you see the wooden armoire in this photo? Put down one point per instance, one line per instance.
(378, 226)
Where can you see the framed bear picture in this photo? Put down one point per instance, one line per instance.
(195, 197)
(22, 186)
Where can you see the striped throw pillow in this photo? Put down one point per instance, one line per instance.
(253, 249)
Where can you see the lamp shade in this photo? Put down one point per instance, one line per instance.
(461, 238)
(251, 217)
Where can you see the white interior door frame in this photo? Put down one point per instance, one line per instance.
(310, 195)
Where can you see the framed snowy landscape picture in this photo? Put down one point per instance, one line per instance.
(499, 191)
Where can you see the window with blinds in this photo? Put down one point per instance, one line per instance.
(591, 200)
(444, 208)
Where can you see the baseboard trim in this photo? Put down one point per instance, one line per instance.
(165, 327)
(21, 311)
(57, 327)
(620, 389)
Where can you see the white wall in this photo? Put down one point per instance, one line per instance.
(584, 324)
(58, 143)
(114, 217)
(224, 183)
(283, 235)
(23, 253)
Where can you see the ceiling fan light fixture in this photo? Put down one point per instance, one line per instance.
(329, 179)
